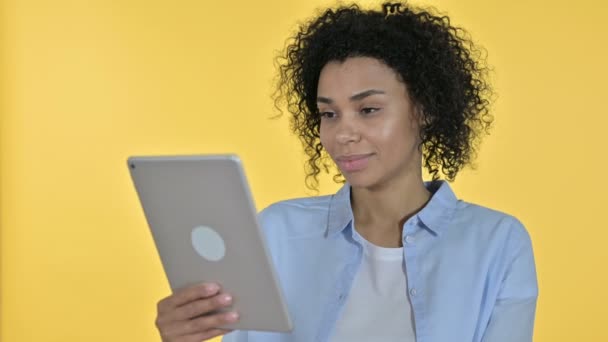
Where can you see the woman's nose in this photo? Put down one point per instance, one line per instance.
(348, 131)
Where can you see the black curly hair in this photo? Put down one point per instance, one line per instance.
(445, 74)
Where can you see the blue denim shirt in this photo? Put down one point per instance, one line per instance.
(470, 270)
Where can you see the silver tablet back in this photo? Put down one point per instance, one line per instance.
(204, 223)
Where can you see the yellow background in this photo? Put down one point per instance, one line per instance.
(84, 84)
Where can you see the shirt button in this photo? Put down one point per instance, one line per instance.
(413, 292)
(409, 239)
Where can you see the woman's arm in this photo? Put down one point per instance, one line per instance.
(512, 318)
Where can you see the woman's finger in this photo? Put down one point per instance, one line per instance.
(187, 295)
(199, 307)
(209, 334)
(204, 323)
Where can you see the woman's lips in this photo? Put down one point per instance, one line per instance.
(353, 162)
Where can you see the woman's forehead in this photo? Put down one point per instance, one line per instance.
(356, 74)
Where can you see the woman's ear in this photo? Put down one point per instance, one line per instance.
(418, 120)
(418, 115)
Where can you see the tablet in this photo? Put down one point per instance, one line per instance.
(204, 223)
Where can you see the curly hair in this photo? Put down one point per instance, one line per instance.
(444, 72)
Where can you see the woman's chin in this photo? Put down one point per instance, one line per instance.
(360, 179)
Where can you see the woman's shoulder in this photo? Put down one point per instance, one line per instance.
(483, 215)
(294, 205)
(490, 223)
(446, 212)
(296, 216)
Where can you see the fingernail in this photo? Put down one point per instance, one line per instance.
(225, 299)
(211, 287)
(232, 316)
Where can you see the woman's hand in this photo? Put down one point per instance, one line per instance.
(186, 315)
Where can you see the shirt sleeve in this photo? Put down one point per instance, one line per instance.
(512, 318)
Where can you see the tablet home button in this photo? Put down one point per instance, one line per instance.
(208, 243)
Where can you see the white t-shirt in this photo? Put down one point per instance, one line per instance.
(378, 307)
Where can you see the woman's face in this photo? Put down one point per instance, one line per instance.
(368, 122)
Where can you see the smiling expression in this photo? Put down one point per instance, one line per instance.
(368, 123)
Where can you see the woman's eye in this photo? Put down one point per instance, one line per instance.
(328, 115)
(369, 110)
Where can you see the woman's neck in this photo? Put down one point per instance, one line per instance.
(381, 212)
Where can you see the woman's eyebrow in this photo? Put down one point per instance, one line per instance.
(357, 97)
(364, 94)
(326, 100)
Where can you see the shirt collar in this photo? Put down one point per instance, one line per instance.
(434, 216)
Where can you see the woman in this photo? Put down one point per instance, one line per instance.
(389, 257)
